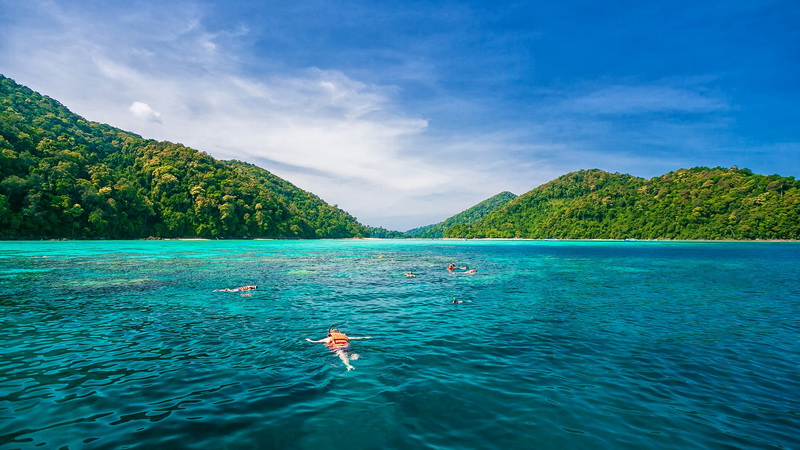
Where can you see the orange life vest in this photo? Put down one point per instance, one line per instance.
(338, 340)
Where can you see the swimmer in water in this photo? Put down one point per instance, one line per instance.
(410, 274)
(239, 289)
(339, 343)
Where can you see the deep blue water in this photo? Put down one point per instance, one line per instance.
(558, 345)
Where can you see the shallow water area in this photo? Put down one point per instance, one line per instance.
(550, 345)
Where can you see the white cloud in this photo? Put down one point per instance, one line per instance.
(144, 111)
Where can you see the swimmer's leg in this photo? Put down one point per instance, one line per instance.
(343, 356)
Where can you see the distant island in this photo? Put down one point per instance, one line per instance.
(63, 177)
(466, 217)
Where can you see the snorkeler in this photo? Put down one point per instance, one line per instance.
(410, 274)
(239, 289)
(339, 343)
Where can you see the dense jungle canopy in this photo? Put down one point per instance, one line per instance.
(65, 177)
(699, 203)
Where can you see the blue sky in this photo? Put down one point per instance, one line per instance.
(405, 113)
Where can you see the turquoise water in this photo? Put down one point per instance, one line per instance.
(618, 345)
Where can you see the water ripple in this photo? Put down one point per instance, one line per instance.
(557, 345)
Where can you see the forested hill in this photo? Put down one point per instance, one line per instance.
(698, 203)
(65, 177)
(466, 217)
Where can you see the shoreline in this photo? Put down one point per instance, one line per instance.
(403, 239)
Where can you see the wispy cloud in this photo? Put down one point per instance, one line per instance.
(660, 97)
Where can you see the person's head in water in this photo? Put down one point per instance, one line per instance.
(333, 330)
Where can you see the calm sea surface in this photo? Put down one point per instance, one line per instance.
(557, 345)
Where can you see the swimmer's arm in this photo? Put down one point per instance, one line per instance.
(319, 341)
(359, 337)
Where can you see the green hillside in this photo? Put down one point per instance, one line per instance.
(466, 217)
(64, 177)
(698, 203)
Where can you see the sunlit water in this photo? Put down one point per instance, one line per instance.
(558, 345)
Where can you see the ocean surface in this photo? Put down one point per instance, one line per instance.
(557, 345)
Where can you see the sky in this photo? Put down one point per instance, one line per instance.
(406, 113)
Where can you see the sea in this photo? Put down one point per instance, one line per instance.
(549, 345)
